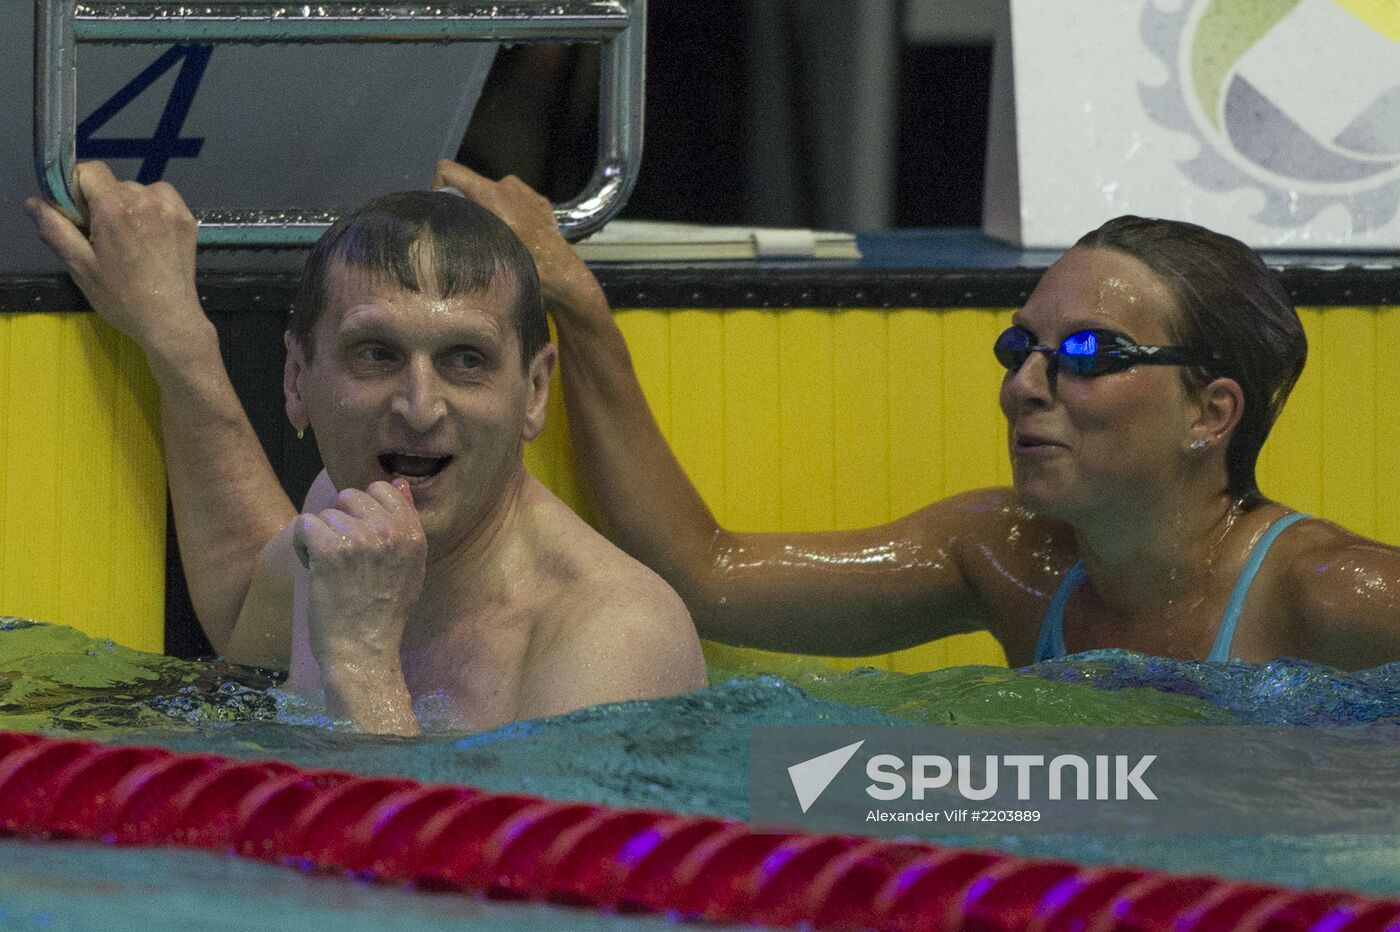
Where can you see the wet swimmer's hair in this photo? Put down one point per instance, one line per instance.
(1233, 310)
(466, 245)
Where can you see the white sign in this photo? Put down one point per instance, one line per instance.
(254, 126)
(1275, 121)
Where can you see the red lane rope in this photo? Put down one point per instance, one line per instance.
(513, 846)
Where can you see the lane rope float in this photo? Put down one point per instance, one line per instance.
(516, 846)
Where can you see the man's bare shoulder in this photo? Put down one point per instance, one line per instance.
(617, 630)
(570, 552)
(604, 585)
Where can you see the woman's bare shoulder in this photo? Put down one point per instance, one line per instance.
(1012, 558)
(1343, 594)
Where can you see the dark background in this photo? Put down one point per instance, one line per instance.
(536, 118)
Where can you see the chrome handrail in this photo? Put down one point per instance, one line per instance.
(619, 26)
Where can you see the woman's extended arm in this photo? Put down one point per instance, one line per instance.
(849, 592)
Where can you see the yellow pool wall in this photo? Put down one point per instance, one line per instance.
(793, 419)
(82, 479)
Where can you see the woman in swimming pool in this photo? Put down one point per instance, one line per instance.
(1142, 377)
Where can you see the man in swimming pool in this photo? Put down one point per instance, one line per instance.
(441, 570)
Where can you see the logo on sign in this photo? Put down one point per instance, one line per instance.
(1299, 99)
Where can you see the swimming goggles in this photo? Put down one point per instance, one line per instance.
(1088, 352)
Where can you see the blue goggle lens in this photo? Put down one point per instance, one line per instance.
(1077, 353)
(1089, 352)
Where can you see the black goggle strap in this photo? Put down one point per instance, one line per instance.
(1086, 345)
(1150, 355)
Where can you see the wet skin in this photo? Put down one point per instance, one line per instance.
(1112, 456)
(1126, 471)
(476, 589)
(1083, 446)
(427, 393)
(398, 376)
(440, 570)
(1104, 470)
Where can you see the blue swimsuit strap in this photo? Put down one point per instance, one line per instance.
(1220, 650)
(1052, 629)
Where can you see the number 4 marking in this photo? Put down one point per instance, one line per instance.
(167, 143)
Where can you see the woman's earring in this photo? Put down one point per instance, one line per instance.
(301, 433)
(1200, 443)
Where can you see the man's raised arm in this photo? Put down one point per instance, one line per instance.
(136, 266)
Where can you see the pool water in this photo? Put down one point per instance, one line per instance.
(688, 754)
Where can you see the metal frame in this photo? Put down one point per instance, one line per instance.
(619, 26)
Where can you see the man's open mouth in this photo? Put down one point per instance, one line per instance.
(413, 465)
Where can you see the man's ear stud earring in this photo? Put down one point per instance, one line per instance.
(1199, 443)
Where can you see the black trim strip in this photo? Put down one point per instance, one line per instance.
(748, 287)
